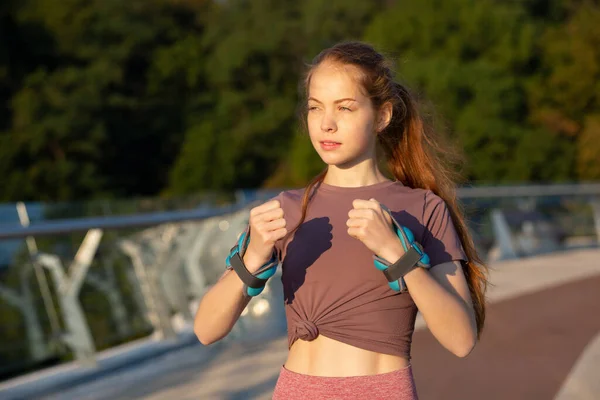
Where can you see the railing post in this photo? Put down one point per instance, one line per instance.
(68, 285)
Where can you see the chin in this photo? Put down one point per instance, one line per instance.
(341, 163)
(334, 159)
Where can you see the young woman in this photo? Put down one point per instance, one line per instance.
(350, 322)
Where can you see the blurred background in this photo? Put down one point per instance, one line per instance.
(136, 135)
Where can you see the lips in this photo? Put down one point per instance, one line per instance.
(329, 145)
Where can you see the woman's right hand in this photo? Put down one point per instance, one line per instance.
(267, 226)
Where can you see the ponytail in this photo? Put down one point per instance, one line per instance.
(417, 159)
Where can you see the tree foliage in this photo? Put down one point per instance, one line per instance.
(103, 98)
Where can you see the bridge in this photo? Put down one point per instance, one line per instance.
(541, 338)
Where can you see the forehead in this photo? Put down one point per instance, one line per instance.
(332, 81)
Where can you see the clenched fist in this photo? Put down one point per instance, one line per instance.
(267, 226)
(369, 223)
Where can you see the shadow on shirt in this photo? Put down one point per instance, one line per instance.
(312, 239)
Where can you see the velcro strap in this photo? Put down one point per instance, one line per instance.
(250, 280)
(404, 265)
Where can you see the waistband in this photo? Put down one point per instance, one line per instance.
(397, 385)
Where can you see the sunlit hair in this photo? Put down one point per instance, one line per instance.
(413, 153)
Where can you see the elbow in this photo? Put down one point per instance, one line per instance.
(201, 334)
(206, 337)
(464, 347)
(203, 338)
(465, 341)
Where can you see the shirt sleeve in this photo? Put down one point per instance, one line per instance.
(440, 239)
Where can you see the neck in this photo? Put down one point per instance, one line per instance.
(362, 174)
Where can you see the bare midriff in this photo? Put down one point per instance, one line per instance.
(327, 357)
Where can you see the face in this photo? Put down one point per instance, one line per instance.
(341, 118)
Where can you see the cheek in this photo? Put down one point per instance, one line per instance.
(314, 128)
(362, 132)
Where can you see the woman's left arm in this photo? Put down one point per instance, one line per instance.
(441, 293)
(442, 296)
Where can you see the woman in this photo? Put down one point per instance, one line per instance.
(350, 322)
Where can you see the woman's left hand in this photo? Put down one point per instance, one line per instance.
(373, 226)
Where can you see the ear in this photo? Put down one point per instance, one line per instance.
(384, 116)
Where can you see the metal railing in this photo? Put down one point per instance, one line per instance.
(169, 258)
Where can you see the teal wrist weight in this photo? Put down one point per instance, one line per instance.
(414, 257)
(254, 283)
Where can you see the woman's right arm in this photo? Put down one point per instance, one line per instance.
(220, 308)
(223, 304)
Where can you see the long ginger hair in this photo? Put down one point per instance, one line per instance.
(413, 153)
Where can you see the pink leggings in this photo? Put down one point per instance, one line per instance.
(396, 385)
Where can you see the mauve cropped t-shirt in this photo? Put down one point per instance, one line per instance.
(330, 284)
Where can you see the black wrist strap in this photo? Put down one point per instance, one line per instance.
(403, 266)
(250, 280)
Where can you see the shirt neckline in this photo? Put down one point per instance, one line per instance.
(354, 189)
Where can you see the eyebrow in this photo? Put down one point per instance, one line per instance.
(335, 102)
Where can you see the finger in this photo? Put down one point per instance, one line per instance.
(269, 215)
(279, 234)
(274, 225)
(269, 205)
(356, 222)
(355, 232)
(366, 213)
(365, 204)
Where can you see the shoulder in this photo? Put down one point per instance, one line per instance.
(290, 196)
(432, 200)
(290, 199)
(424, 197)
(411, 200)
(422, 204)
(435, 210)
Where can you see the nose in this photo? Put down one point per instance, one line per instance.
(328, 124)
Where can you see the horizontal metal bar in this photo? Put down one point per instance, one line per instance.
(62, 227)
(581, 189)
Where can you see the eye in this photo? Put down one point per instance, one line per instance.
(312, 108)
(345, 109)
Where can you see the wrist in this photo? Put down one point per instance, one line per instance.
(252, 262)
(392, 252)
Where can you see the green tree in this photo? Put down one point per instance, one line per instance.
(472, 59)
(564, 96)
(238, 128)
(87, 123)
